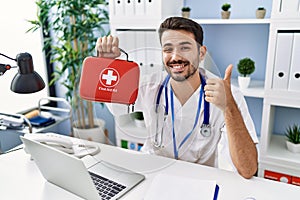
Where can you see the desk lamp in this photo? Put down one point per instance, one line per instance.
(26, 80)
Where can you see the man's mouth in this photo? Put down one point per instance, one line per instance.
(178, 67)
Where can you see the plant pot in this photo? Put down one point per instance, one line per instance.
(185, 14)
(244, 81)
(225, 14)
(260, 14)
(96, 134)
(295, 148)
(138, 119)
(139, 123)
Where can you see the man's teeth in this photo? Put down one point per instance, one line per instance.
(177, 66)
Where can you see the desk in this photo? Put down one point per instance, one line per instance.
(21, 179)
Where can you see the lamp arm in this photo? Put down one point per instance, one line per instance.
(14, 59)
(5, 67)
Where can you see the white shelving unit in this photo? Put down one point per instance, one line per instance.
(255, 89)
(232, 21)
(276, 162)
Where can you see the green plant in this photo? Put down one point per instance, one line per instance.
(185, 9)
(226, 6)
(293, 134)
(246, 66)
(138, 115)
(70, 29)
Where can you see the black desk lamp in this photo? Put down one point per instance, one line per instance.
(26, 80)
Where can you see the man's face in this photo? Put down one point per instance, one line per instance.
(180, 53)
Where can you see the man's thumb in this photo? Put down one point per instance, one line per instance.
(228, 72)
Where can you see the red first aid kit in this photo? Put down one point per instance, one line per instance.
(109, 80)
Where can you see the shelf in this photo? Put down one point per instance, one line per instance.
(255, 89)
(279, 155)
(232, 21)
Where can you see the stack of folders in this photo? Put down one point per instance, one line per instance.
(40, 121)
(165, 186)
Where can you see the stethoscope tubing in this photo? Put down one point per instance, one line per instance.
(164, 86)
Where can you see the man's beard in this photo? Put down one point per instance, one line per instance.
(176, 76)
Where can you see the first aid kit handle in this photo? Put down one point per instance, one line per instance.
(123, 51)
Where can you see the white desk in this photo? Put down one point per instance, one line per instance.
(21, 179)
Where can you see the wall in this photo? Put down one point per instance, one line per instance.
(15, 40)
(239, 9)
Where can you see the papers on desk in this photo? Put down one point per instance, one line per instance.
(166, 186)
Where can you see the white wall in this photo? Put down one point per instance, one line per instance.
(14, 40)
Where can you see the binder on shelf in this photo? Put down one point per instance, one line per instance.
(140, 54)
(127, 42)
(290, 6)
(282, 60)
(139, 7)
(153, 58)
(119, 7)
(129, 8)
(152, 7)
(294, 78)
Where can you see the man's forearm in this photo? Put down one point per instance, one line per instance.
(242, 148)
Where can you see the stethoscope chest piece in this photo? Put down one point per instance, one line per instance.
(205, 130)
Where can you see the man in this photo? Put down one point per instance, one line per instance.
(179, 96)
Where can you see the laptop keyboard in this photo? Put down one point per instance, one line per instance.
(107, 189)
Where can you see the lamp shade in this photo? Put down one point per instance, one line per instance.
(26, 80)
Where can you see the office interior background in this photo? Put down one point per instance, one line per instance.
(226, 42)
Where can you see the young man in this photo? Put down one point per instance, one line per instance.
(174, 108)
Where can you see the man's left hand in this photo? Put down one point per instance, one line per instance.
(218, 91)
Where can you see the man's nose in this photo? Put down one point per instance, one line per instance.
(176, 55)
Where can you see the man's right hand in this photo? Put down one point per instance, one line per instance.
(108, 47)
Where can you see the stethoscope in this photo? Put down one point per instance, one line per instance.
(205, 127)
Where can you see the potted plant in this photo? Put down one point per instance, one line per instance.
(70, 29)
(293, 138)
(260, 13)
(185, 12)
(225, 10)
(246, 67)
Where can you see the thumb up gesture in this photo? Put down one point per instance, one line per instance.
(218, 91)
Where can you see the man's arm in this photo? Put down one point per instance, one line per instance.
(241, 146)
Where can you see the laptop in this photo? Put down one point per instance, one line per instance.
(102, 180)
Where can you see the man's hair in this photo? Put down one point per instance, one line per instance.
(180, 23)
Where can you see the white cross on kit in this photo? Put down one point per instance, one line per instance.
(109, 77)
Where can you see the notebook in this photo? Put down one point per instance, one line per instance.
(70, 173)
(166, 186)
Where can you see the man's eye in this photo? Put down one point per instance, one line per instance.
(185, 48)
(168, 50)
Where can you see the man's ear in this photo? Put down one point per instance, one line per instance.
(202, 52)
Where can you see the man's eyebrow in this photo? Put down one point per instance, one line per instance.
(167, 44)
(181, 43)
(186, 42)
